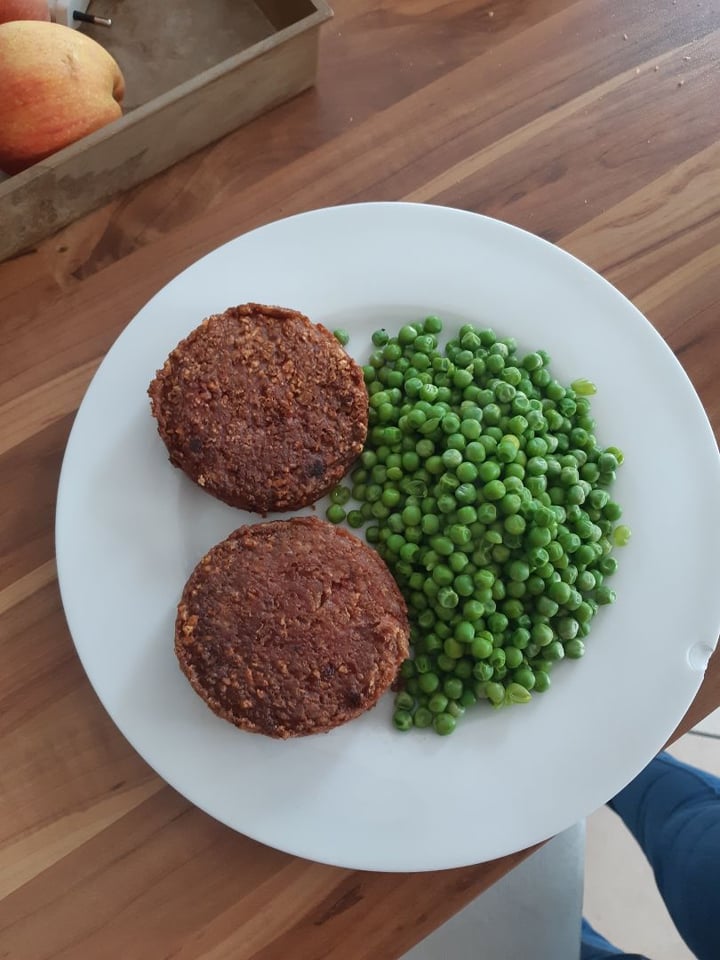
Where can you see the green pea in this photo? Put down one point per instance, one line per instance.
(513, 608)
(514, 524)
(407, 669)
(466, 472)
(467, 514)
(463, 668)
(335, 513)
(559, 592)
(428, 682)
(513, 658)
(506, 452)
(605, 595)
(446, 503)
(482, 671)
(567, 628)
(446, 663)
(574, 649)
(583, 613)
(355, 519)
(515, 693)
(482, 646)
(444, 724)
(621, 535)
(475, 453)
(422, 718)
(489, 470)
(525, 677)
(519, 570)
(497, 623)
(402, 719)
(487, 513)
(473, 610)
(546, 607)
(495, 692)
(453, 648)
(520, 638)
(538, 557)
(432, 324)
(453, 688)
(447, 598)
(542, 634)
(584, 388)
(497, 661)
(404, 701)
(510, 504)
(437, 703)
(464, 632)
(442, 545)
(452, 458)
(612, 511)
(553, 651)
(466, 494)
(586, 581)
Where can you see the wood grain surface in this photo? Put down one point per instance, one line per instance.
(592, 124)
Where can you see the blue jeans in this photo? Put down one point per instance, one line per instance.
(673, 811)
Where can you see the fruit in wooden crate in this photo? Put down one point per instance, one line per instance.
(57, 84)
(23, 10)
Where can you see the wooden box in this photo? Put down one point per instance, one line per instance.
(194, 71)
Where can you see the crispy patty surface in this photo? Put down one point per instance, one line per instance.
(261, 408)
(291, 627)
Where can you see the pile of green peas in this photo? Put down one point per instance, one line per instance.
(483, 488)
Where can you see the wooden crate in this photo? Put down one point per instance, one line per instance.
(194, 70)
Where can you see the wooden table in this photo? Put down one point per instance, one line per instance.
(593, 124)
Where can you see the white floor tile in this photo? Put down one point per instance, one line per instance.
(621, 899)
(710, 724)
(701, 752)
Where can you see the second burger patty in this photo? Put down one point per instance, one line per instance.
(291, 627)
(261, 408)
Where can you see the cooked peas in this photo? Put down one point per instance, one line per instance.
(487, 494)
(444, 723)
(422, 717)
(574, 649)
(621, 535)
(428, 682)
(335, 513)
(402, 719)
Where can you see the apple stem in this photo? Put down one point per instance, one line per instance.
(90, 18)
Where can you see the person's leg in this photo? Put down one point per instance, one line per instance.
(595, 947)
(673, 811)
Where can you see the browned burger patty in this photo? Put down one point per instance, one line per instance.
(261, 407)
(291, 627)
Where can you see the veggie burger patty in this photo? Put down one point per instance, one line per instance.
(291, 627)
(261, 408)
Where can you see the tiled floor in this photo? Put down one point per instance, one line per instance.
(621, 900)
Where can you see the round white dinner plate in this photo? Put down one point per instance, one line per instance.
(130, 528)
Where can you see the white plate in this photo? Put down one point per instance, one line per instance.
(130, 528)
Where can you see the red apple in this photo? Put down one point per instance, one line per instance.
(57, 86)
(23, 10)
